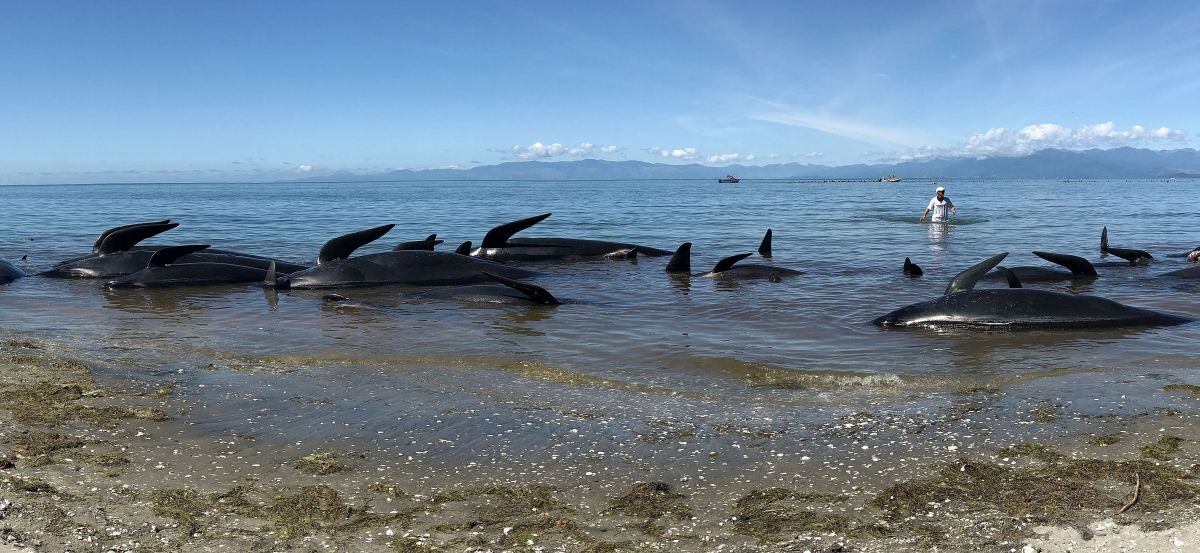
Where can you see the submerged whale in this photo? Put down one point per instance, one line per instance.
(9, 272)
(499, 245)
(1018, 308)
(508, 291)
(1078, 268)
(681, 262)
(427, 244)
(1134, 257)
(336, 269)
(163, 271)
(116, 253)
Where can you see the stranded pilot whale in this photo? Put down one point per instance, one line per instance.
(508, 291)
(335, 268)
(163, 271)
(1134, 257)
(499, 245)
(726, 268)
(116, 252)
(1018, 308)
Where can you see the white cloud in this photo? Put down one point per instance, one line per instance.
(539, 150)
(688, 154)
(304, 168)
(1008, 142)
(722, 158)
(748, 157)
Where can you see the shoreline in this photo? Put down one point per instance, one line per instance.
(103, 461)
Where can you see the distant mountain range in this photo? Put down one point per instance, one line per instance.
(1116, 163)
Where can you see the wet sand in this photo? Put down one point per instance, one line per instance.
(262, 456)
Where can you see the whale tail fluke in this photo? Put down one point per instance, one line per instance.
(912, 269)
(1077, 265)
(764, 248)
(499, 235)
(728, 263)
(1104, 239)
(123, 239)
(536, 293)
(100, 239)
(167, 256)
(681, 262)
(344, 245)
(965, 281)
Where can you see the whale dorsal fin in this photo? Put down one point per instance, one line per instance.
(727, 263)
(911, 268)
(1104, 238)
(1077, 265)
(681, 262)
(167, 256)
(427, 244)
(344, 245)
(105, 234)
(535, 293)
(965, 281)
(499, 235)
(764, 248)
(270, 279)
(464, 248)
(123, 239)
(1011, 277)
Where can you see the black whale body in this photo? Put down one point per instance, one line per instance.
(1023, 309)
(499, 245)
(336, 269)
(1018, 308)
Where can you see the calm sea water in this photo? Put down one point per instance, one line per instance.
(629, 329)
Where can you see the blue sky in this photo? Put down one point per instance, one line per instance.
(119, 91)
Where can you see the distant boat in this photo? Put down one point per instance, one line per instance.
(729, 179)
(889, 178)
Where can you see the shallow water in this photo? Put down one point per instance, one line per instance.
(631, 337)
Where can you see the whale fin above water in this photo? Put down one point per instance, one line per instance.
(168, 255)
(1077, 265)
(1011, 277)
(344, 245)
(464, 248)
(122, 239)
(965, 281)
(728, 263)
(535, 293)
(271, 280)
(107, 233)
(912, 269)
(681, 262)
(1136, 257)
(499, 235)
(427, 244)
(764, 248)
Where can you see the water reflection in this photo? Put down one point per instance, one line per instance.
(938, 233)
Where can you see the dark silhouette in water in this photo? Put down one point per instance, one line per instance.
(912, 269)
(1018, 308)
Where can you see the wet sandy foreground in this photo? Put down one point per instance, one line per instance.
(258, 457)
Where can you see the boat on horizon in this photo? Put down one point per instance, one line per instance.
(729, 179)
(889, 178)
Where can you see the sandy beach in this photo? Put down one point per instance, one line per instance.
(93, 461)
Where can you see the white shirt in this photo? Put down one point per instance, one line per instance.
(940, 208)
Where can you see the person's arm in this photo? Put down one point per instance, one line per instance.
(927, 208)
(953, 209)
